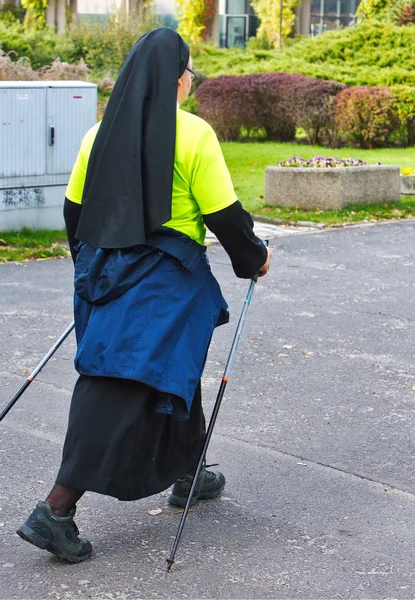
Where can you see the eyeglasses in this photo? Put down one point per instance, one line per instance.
(192, 73)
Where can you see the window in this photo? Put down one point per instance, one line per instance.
(236, 7)
(332, 14)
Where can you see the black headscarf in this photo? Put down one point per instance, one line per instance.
(128, 186)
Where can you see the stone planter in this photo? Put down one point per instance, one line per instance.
(408, 184)
(327, 188)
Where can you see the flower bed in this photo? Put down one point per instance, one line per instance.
(330, 183)
(322, 162)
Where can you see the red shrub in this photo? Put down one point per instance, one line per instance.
(274, 102)
(364, 115)
(314, 109)
(255, 101)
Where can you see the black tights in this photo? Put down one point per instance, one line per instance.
(62, 498)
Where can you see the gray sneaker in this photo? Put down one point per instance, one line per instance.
(58, 535)
(209, 485)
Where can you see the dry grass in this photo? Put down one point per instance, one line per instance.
(21, 70)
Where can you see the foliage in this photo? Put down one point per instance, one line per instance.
(313, 108)
(21, 70)
(35, 13)
(252, 102)
(41, 47)
(369, 54)
(190, 105)
(322, 162)
(400, 12)
(195, 18)
(268, 12)
(403, 105)
(373, 9)
(373, 53)
(274, 103)
(10, 13)
(365, 115)
(404, 12)
(105, 45)
(102, 46)
(259, 42)
(12, 70)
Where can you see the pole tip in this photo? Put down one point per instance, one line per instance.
(170, 563)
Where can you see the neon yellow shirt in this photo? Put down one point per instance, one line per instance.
(201, 180)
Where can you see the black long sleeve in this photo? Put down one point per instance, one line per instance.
(71, 214)
(233, 227)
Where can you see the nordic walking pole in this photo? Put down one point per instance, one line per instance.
(37, 370)
(170, 561)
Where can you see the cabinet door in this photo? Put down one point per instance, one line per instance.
(22, 132)
(71, 112)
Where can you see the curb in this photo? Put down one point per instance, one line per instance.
(275, 221)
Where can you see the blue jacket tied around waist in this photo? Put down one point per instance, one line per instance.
(148, 313)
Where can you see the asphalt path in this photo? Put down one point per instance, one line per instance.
(315, 436)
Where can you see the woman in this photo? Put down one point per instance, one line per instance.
(146, 181)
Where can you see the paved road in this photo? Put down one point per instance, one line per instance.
(316, 436)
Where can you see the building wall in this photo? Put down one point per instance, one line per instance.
(98, 7)
(313, 16)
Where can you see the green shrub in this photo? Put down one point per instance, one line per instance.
(190, 105)
(39, 46)
(10, 13)
(399, 12)
(403, 105)
(365, 116)
(369, 54)
(260, 42)
(105, 45)
(102, 46)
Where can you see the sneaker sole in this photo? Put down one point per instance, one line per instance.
(181, 501)
(29, 536)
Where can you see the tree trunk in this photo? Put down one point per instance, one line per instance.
(60, 16)
(51, 13)
(74, 10)
(212, 29)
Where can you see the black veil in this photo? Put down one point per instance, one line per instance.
(128, 186)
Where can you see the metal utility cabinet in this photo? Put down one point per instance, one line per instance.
(42, 124)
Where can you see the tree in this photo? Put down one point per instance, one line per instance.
(399, 12)
(195, 19)
(40, 13)
(268, 12)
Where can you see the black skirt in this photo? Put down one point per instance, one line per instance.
(116, 444)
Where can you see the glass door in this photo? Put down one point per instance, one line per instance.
(236, 31)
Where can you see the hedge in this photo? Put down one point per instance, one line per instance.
(364, 115)
(276, 103)
(103, 46)
(369, 54)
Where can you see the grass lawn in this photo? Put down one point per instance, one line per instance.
(29, 244)
(247, 164)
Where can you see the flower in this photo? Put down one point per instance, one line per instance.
(406, 171)
(322, 162)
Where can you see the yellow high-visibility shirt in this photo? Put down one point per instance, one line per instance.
(201, 181)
